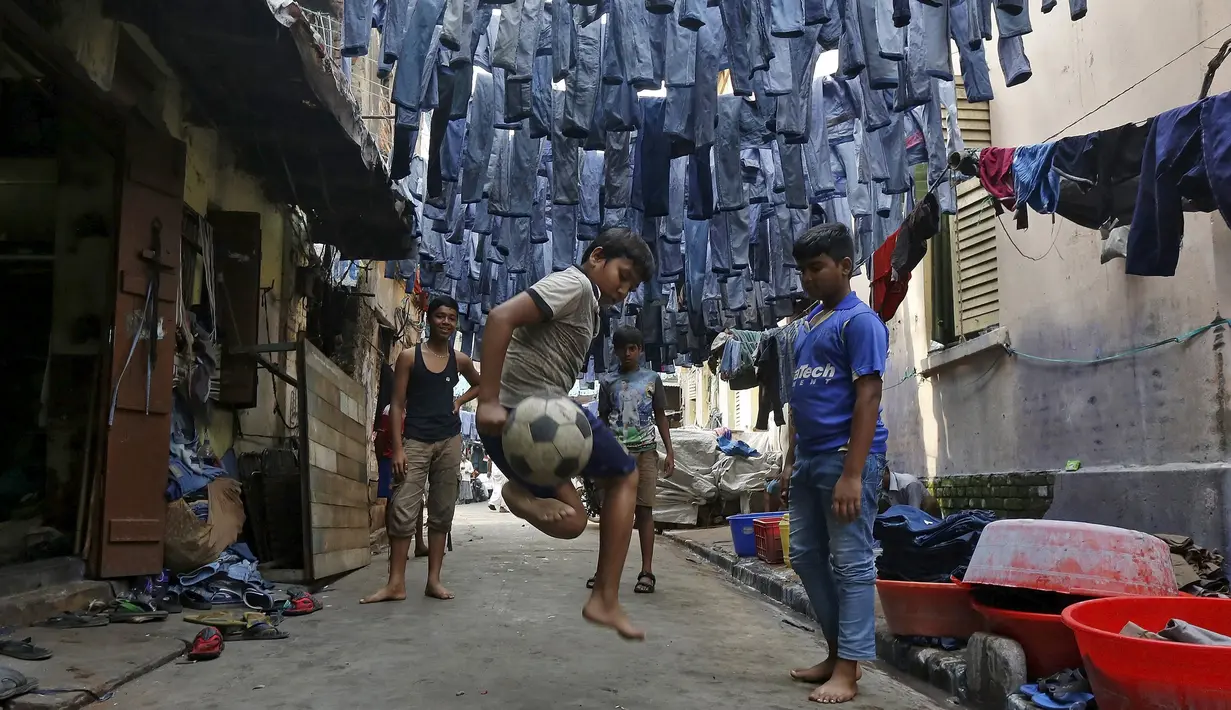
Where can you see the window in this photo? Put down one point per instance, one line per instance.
(964, 295)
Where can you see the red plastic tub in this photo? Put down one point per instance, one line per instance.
(1050, 646)
(1139, 674)
(927, 609)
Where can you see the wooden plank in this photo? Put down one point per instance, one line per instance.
(334, 563)
(320, 384)
(334, 417)
(332, 489)
(350, 468)
(327, 436)
(339, 516)
(329, 540)
(325, 368)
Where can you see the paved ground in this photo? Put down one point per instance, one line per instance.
(514, 638)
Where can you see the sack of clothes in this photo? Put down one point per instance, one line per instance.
(916, 547)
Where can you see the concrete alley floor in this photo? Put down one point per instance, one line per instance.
(514, 639)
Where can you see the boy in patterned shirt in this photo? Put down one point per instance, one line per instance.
(633, 403)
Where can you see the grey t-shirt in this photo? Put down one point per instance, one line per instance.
(545, 358)
(905, 489)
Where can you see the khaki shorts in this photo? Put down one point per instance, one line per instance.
(647, 477)
(437, 463)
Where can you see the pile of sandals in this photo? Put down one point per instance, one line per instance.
(1066, 690)
(221, 625)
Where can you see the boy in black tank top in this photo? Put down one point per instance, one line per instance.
(431, 448)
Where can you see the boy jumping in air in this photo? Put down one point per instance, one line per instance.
(633, 402)
(535, 344)
(835, 459)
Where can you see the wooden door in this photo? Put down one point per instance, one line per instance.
(138, 405)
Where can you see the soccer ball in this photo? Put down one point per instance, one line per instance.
(548, 440)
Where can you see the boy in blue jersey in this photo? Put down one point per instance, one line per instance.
(835, 458)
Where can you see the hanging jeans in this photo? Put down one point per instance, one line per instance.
(591, 183)
(728, 178)
(356, 27)
(581, 93)
(617, 170)
(834, 559)
(481, 132)
(565, 161)
(563, 236)
(421, 28)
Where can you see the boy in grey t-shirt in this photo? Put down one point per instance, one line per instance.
(535, 344)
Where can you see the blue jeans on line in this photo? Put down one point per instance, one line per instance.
(834, 560)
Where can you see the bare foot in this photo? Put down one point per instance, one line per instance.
(820, 672)
(436, 590)
(600, 613)
(841, 687)
(386, 594)
(420, 551)
(527, 506)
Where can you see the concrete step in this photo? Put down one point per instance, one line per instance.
(35, 605)
(29, 576)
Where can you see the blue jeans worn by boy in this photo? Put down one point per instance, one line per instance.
(833, 559)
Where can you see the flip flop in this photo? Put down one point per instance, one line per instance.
(24, 650)
(170, 603)
(75, 620)
(226, 619)
(643, 587)
(300, 604)
(260, 631)
(207, 645)
(131, 612)
(13, 683)
(193, 599)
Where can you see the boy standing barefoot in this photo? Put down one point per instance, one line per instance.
(838, 452)
(535, 344)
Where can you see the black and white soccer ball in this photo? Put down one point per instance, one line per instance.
(548, 440)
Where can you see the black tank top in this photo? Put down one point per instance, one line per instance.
(429, 401)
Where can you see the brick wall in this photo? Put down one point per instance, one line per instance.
(1009, 495)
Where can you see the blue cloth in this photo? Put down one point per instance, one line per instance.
(384, 478)
(919, 548)
(468, 426)
(1187, 157)
(834, 559)
(608, 458)
(1034, 182)
(734, 447)
(831, 351)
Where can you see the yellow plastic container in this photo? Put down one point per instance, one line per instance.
(784, 532)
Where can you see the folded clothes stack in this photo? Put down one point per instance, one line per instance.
(920, 548)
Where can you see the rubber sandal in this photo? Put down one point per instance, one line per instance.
(75, 620)
(258, 599)
(590, 583)
(170, 603)
(193, 599)
(300, 604)
(131, 612)
(207, 645)
(13, 683)
(644, 588)
(218, 619)
(260, 631)
(24, 650)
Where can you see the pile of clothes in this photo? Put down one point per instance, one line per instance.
(1198, 571)
(916, 547)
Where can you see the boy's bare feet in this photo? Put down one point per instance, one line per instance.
(386, 594)
(820, 672)
(436, 590)
(420, 551)
(841, 687)
(596, 611)
(527, 506)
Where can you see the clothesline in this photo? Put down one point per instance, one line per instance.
(1132, 182)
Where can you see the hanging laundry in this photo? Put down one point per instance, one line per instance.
(1187, 159)
(888, 292)
(1100, 174)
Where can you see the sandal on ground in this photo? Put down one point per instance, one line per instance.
(207, 645)
(259, 631)
(23, 650)
(300, 603)
(132, 612)
(74, 620)
(227, 619)
(643, 587)
(13, 683)
(590, 582)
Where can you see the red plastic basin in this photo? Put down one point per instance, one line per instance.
(1081, 559)
(927, 609)
(1050, 646)
(1138, 674)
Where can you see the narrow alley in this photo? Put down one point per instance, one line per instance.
(514, 638)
